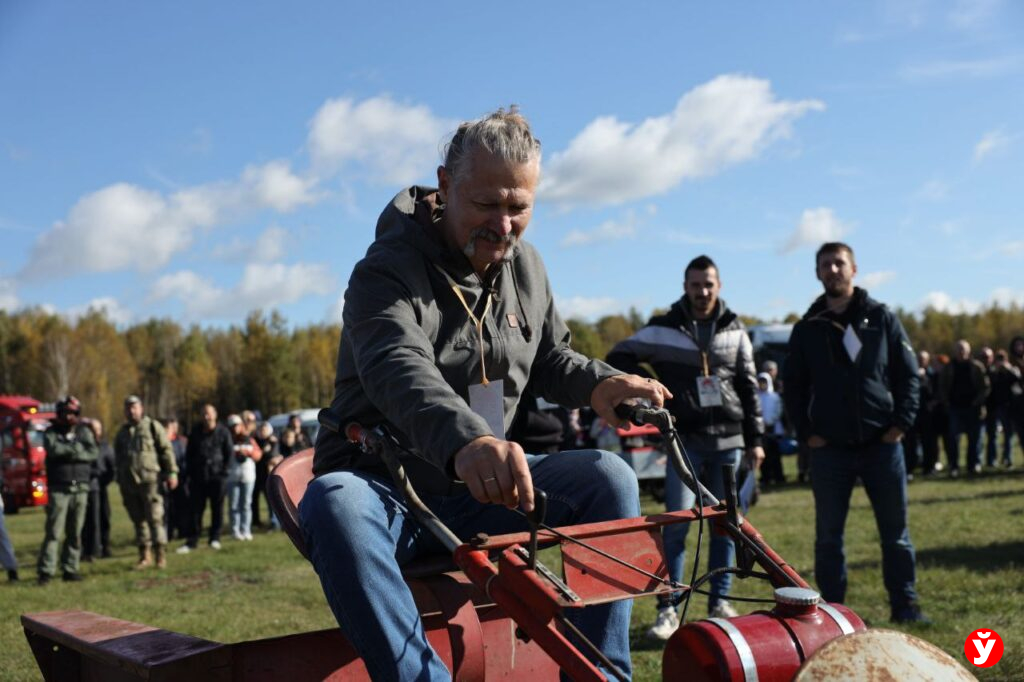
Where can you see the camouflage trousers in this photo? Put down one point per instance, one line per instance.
(145, 507)
(65, 516)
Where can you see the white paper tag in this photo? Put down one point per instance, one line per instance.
(489, 402)
(709, 391)
(852, 343)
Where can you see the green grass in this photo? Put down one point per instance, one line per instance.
(966, 532)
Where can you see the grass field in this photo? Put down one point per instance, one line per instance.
(967, 532)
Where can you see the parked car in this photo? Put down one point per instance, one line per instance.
(310, 425)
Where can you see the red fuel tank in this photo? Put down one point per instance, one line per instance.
(764, 646)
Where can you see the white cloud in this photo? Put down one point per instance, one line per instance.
(124, 226)
(875, 280)
(8, 295)
(817, 225)
(933, 190)
(333, 313)
(726, 121)
(609, 230)
(1003, 297)
(967, 68)
(971, 14)
(109, 306)
(267, 247)
(397, 143)
(679, 236)
(943, 302)
(199, 142)
(582, 307)
(263, 286)
(991, 142)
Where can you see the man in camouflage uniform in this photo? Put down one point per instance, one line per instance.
(70, 451)
(142, 452)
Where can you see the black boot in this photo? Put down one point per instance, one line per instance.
(70, 577)
(12, 575)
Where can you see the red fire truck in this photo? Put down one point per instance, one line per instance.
(22, 423)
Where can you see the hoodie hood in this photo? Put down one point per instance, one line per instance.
(860, 302)
(414, 217)
(1010, 351)
(768, 378)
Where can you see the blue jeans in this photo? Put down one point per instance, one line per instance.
(708, 466)
(359, 533)
(7, 559)
(999, 416)
(964, 420)
(240, 504)
(834, 471)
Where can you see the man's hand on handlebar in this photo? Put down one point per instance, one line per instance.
(496, 472)
(614, 390)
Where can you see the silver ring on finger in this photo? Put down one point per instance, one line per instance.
(488, 480)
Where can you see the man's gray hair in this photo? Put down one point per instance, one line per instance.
(504, 133)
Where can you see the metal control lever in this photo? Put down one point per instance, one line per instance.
(536, 519)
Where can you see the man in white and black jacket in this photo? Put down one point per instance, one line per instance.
(701, 352)
(852, 391)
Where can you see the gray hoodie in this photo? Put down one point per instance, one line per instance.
(409, 351)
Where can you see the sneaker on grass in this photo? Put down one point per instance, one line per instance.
(215, 544)
(184, 549)
(666, 623)
(723, 609)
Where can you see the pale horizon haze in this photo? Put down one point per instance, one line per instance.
(196, 161)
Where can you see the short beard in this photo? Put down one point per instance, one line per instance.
(509, 240)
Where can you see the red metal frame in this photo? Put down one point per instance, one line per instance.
(497, 619)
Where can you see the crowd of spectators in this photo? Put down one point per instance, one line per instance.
(970, 403)
(166, 481)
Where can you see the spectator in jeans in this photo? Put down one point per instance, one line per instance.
(7, 558)
(207, 456)
(1002, 377)
(852, 391)
(964, 388)
(241, 478)
(96, 531)
(923, 436)
(771, 409)
(266, 441)
(701, 352)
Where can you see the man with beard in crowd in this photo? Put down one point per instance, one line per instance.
(852, 392)
(207, 457)
(70, 451)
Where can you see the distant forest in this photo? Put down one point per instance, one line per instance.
(268, 365)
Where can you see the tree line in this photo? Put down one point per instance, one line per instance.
(267, 365)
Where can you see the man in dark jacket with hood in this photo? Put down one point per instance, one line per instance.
(852, 392)
(207, 456)
(70, 451)
(963, 389)
(700, 350)
(446, 320)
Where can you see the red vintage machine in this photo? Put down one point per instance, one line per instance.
(22, 422)
(499, 613)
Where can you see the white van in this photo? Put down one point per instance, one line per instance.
(309, 423)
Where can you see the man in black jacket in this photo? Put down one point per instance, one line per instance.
(852, 392)
(701, 352)
(70, 452)
(207, 456)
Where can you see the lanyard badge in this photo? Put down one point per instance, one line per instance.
(486, 399)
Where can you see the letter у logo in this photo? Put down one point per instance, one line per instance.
(983, 648)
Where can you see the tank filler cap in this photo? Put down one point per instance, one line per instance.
(796, 596)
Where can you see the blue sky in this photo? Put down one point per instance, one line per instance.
(198, 160)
